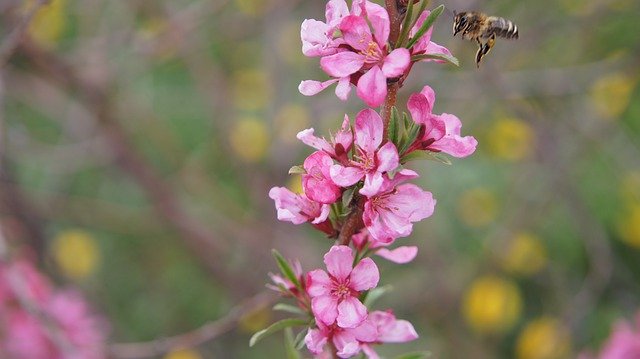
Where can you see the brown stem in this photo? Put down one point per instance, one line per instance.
(353, 223)
(389, 102)
(395, 18)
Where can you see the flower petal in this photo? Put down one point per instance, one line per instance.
(388, 159)
(400, 255)
(369, 129)
(335, 11)
(342, 64)
(396, 62)
(365, 275)
(372, 87)
(421, 105)
(312, 87)
(339, 262)
(344, 88)
(452, 143)
(325, 308)
(399, 332)
(372, 183)
(379, 19)
(356, 32)
(351, 312)
(318, 283)
(345, 176)
(315, 341)
(307, 137)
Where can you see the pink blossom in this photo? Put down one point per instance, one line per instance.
(390, 213)
(317, 183)
(624, 342)
(400, 255)
(440, 132)
(337, 147)
(424, 45)
(297, 208)
(366, 60)
(335, 294)
(370, 160)
(348, 341)
(318, 37)
(390, 330)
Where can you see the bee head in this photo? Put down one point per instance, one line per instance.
(459, 22)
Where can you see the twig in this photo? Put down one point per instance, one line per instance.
(196, 337)
(8, 47)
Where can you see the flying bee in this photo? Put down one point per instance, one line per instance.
(476, 26)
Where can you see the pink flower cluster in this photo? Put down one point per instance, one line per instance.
(623, 343)
(355, 185)
(38, 322)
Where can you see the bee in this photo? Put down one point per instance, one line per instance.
(476, 26)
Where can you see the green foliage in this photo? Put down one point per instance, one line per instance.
(276, 327)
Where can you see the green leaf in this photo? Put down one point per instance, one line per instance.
(375, 294)
(426, 155)
(276, 327)
(347, 196)
(444, 57)
(414, 355)
(393, 125)
(282, 307)
(299, 341)
(411, 136)
(285, 268)
(289, 345)
(295, 170)
(406, 25)
(426, 25)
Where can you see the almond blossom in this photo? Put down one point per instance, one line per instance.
(317, 183)
(366, 60)
(424, 45)
(389, 330)
(370, 160)
(399, 255)
(335, 294)
(441, 133)
(297, 208)
(317, 36)
(337, 147)
(348, 341)
(390, 213)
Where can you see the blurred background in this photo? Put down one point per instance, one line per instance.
(139, 140)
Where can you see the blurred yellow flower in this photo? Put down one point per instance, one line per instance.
(253, 7)
(630, 186)
(477, 207)
(290, 120)
(544, 338)
(249, 139)
(492, 305)
(76, 253)
(251, 89)
(183, 354)
(525, 255)
(256, 320)
(48, 24)
(510, 139)
(629, 225)
(295, 184)
(611, 94)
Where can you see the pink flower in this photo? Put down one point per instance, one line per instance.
(366, 59)
(400, 255)
(390, 213)
(390, 330)
(335, 294)
(370, 160)
(441, 132)
(339, 145)
(624, 342)
(348, 341)
(424, 46)
(317, 182)
(297, 208)
(317, 36)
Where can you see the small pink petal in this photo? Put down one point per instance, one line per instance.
(356, 32)
(312, 87)
(351, 312)
(396, 63)
(344, 88)
(372, 87)
(325, 209)
(366, 332)
(379, 19)
(372, 183)
(369, 129)
(345, 176)
(335, 11)
(421, 105)
(388, 159)
(318, 283)
(401, 331)
(307, 137)
(315, 341)
(342, 64)
(339, 262)
(365, 275)
(400, 255)
(325, 308)
(452, 143)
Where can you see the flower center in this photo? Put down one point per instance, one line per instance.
(364, 160)
(372, 54)
(342, 290)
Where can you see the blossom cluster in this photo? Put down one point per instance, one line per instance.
(355, 185)
(40, 322)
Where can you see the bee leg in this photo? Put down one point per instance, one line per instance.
(480, 54)
(484, 49)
